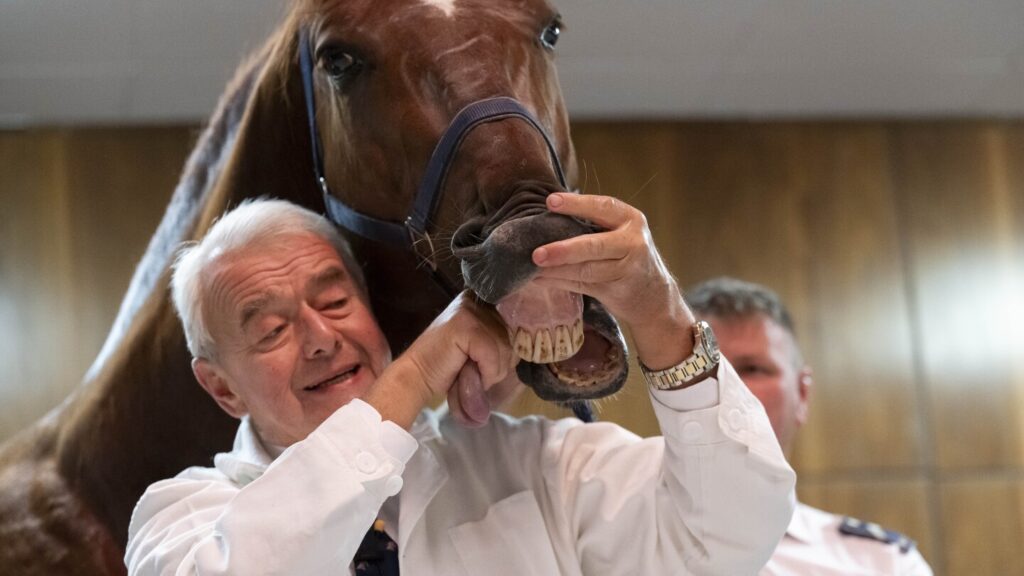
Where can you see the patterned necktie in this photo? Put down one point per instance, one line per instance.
(378, 554)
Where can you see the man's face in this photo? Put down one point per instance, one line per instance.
(765, 357)
(294, 338)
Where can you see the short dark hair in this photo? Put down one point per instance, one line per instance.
(727, 297)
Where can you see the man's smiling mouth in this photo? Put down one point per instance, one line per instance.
(333, 380)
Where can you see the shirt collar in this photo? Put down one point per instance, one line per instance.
(249, 457)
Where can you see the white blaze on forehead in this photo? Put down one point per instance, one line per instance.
(446, 6)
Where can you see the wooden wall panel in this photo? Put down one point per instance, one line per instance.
(855, 329)
(962, 200)
(39, 324)
(983, 520)
(78, 208)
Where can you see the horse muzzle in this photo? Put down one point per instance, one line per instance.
(570, 348)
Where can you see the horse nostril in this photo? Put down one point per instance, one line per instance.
(468, 235)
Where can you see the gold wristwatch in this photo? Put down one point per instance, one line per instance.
(694, 368)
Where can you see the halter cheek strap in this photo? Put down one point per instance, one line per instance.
(412, 233)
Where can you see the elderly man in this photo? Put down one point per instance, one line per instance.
(335, 437)
(755, 332)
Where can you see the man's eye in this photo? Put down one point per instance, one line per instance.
(269, 336)
(336, 304)
(749, 369)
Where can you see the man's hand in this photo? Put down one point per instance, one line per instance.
(622, 269)
(462, 354)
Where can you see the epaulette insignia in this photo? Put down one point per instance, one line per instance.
(853, 527)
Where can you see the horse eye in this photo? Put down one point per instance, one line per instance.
(549, 37)
(340, 65)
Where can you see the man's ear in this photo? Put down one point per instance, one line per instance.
(217, 385)
(804, 382)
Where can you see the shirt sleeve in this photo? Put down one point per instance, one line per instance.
(714, 495)
(703, 394)
(306, 514)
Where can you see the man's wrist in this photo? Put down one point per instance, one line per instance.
(666, 338)
(700, 364)
(400, 393)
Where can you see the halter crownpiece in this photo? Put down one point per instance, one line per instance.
(413, 231)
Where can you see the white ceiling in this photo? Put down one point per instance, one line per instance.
(134, 61)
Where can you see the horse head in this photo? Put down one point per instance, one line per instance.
(403, 136)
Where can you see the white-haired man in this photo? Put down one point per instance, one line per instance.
(335, 437)
(755, 332)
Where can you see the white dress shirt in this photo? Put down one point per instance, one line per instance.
(516, 497)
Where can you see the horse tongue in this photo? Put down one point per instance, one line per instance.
(546, 324)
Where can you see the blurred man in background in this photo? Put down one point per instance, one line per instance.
(755, 332)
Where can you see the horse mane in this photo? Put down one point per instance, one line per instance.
(140, 402)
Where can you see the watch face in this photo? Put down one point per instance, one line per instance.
(709, 341)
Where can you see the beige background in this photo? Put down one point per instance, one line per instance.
(899, 247)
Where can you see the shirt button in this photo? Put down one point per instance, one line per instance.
(693, 432)
(393, 485)
(735, 419)
(366, 463)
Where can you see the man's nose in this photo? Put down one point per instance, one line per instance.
(320, 338)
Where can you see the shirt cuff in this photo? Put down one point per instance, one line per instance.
(701, 395)
(398, 443)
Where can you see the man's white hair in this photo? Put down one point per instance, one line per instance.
(252, 223)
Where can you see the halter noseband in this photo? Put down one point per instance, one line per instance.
(412, 233)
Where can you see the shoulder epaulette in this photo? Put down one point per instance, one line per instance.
(854, 527)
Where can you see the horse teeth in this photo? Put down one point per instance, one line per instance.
(546, 346)
(563, 343)
(577, 336)
(524, 345)
(542, 352)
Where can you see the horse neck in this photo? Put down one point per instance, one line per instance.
(140, 416)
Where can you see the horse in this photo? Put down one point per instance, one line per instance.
(348, 103)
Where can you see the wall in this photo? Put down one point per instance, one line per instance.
(899, 247)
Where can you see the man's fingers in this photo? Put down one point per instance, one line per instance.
(602, 271)
(597, 246)
(605, 211)
(567, 285)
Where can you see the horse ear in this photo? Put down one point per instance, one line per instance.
(272, 155)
